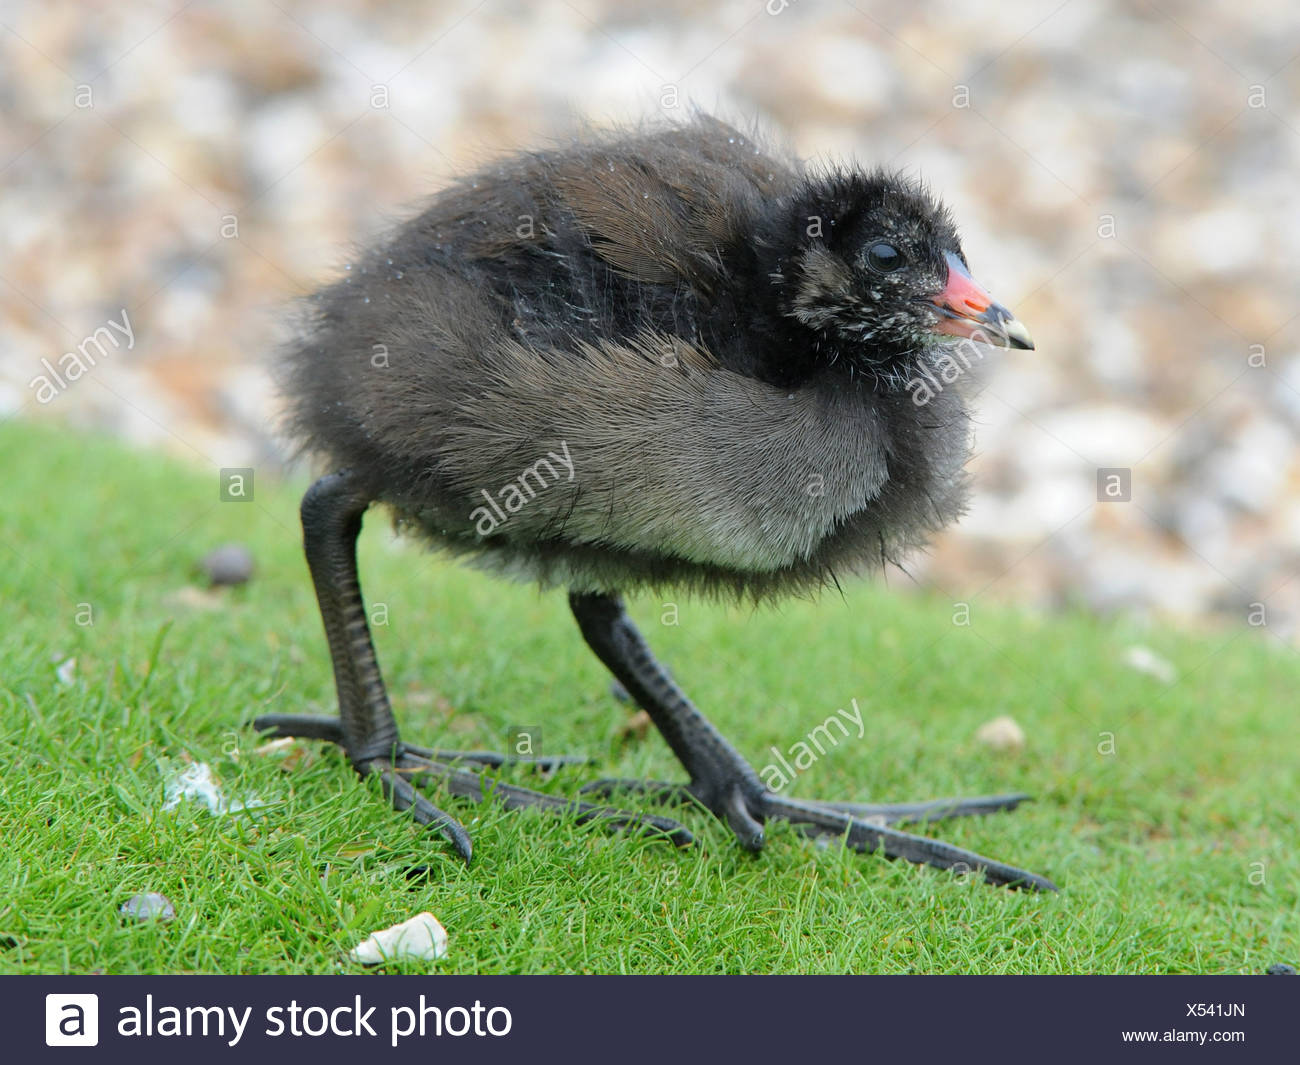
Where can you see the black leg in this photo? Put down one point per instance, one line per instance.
(366, 729)
(720, 778)
(725, 783)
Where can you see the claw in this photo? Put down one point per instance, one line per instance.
(402, 794)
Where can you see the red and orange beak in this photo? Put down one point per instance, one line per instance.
(969, 311)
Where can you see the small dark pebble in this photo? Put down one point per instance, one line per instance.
(227, 565)
(1281, 969)
(149, 906)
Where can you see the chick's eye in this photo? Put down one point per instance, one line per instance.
(885, 258)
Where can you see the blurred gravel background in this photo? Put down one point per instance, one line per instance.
(1127, 176)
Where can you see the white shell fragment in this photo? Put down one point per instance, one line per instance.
(197, 782)
(148, 906)
(422, 938)
(66, 671)
(1001, 734)
(1145, 660)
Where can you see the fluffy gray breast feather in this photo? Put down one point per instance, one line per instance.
(647, 463)
(670, 453)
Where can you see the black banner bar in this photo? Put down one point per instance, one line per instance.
(187, 1020)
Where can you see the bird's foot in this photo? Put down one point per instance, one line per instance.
(410, 764)
(876, 813)
(745, 804)
(871, 832)
(330, 729)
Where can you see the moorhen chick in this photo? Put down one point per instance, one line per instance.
(651, 358)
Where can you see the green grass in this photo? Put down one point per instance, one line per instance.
(1160, 848)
